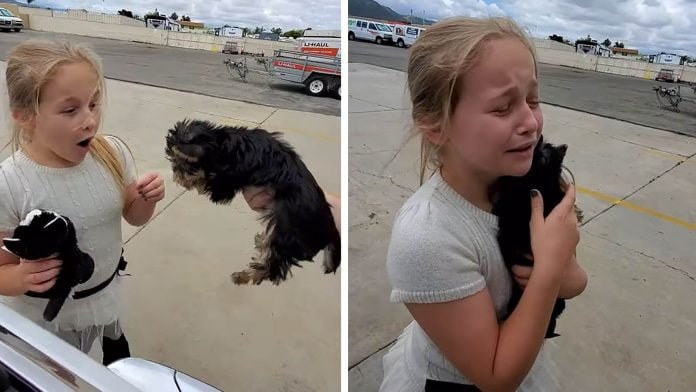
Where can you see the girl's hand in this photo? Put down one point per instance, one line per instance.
(573, 282)
(151, 187)
(258, 198)
(555, 237)
(521, 274)
(38, 275)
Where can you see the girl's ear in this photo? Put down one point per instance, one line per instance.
(433, 132)
(24, 118)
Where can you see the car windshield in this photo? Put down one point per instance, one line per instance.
(5, 12)
(383, 27)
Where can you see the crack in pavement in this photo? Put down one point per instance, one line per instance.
(155, 216)
(386, 178)
(373, 103)
(616, 203)
(681, 271)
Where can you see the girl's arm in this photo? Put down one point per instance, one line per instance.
(141, 199)
(574, 281)
(495, 357)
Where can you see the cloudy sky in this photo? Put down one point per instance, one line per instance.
(648, 25)
(288, 15)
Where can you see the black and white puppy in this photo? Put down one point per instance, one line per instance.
(43, 234)
(219, 161)
(513, 208)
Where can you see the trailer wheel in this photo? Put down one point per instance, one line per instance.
(316, 85)
(400, 43)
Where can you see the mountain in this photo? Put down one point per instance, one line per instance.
(372, 9)
(375, 10)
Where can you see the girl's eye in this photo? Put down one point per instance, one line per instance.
(502, 109)
(69, 111)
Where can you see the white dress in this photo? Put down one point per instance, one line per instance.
(88, 195)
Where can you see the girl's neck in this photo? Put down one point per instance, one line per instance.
(472, 186)
(45, 157)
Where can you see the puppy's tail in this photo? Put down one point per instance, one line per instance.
(332, 254)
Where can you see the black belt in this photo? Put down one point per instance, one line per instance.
(91, 291)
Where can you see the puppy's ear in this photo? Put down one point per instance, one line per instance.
(12, 245)
(562, 150)
(190, 152)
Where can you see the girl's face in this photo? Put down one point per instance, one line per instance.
(497, 120)
(68, 118)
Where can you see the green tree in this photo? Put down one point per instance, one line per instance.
(607, 42)
(277, 30)
(174, 16)
(293, 33)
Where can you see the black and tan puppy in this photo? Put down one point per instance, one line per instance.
(219, 161)
(514, 211)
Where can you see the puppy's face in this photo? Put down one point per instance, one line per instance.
(190, 149)
(38, 236)
(547, 164)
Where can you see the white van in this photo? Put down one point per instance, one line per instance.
(368, 30)
(405, 35)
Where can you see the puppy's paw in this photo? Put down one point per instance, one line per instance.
(241, 277)
(258, 241)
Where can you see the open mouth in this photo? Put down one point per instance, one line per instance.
(524, 148)
(85, 143)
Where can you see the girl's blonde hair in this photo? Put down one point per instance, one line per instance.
(439, 59)
(30, 66)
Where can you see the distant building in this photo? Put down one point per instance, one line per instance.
(162, 23)
(667, 58)
(189, 26)
(592, 47)
(229, 31)
(625, 52)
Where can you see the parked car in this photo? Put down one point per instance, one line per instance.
(9, 22)
(665, 75)
(34, 359)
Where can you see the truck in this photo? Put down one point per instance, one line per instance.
(320, 74)
(323, 42)
(9, 22)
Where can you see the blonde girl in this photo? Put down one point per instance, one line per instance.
(474, 90)
(61, 162)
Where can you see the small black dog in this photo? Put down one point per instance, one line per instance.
(513, 208)
(45, 233)
(219, 161)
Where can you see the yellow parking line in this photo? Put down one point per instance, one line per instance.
(671, 156)
(634, 207)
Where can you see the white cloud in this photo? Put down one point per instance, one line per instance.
(651, 26)
(288, 15)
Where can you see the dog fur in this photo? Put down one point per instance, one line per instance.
(219, 161)
(43, 234)
(513, 208)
